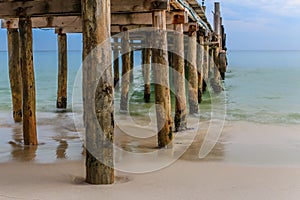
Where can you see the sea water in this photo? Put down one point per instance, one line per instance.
(263, 86)
(260, 86)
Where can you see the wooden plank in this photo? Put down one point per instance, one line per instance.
(146, 18)
(73, 24)
(61, 101)
(46, 22)
(160, 68)
(119, 6)
(15, 73)
(28, 82)
(39, 8)
(98, 92)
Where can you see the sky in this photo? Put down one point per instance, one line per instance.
(260, 24)
(249, 24)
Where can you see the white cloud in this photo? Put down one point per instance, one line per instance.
(285, 8)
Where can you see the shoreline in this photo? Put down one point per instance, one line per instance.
(231, 171)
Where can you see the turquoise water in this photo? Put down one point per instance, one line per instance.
(261, 86)
(45, 64)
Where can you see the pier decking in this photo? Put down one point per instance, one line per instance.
(201, 54)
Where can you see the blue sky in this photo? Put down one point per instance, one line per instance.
(261, 24)
(250, 25)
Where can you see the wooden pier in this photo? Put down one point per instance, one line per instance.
(202, 56)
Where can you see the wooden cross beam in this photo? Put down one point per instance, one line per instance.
(39, 8)
(73, 24)
(34, 8)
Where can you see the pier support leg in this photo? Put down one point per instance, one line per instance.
(192, 71)
(125, 71)
(62, 71)
(98, 99)
(116, 63)
(131, 65)
(216, 84)
(28, 82)
(161, 79)
(205, 66)
(179, 79)
(215, 72)
(15, 75)
(200, 55)
(146, 65)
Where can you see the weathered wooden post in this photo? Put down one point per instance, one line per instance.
(15, 75)
(146, 66)
(62, 71)
(216, 81)
(28, 81)
(200, 55)
(222, 54)
(217, 22)
(131, 64)
(179, 79)
(98, 99)
(205, 64)
(217, 85)
(161, 79)
(125, 71)
(192, 70)
(116, 62)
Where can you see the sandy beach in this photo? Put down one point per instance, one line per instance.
(250, 161)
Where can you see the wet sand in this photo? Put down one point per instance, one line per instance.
(250, 161)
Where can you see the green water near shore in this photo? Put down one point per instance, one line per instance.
(261, 86)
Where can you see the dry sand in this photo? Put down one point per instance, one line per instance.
(251, 161)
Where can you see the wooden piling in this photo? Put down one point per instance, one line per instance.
(205, 64)
(131, 65)
(161, 80)
(98, 110)
(192, 71)
(179, 79)
(125, 71)
(200, 55)
(216, 51)
(28, 82)
(15, 75)
(116, 63)
(214, 74)
(217, 84)
(62, 71)
(146, 66)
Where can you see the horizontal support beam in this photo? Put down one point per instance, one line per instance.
(45, 22)
(39, 8)
(124, 12)
(127, 6)
(186, 26)
(146, 18)
(67, 7)
(74, 23)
